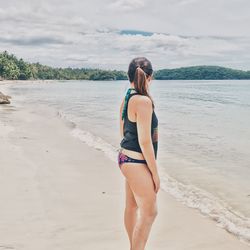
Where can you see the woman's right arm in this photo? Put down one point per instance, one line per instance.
(143, 119)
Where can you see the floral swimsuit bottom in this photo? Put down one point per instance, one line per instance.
(122, 158)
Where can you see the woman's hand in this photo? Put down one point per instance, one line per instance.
(156, 181)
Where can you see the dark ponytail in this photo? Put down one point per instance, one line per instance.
(140, 81)
(139, 70)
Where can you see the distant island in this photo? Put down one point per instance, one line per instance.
(12, 68)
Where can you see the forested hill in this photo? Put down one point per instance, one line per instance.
(12, 68)
(201, 73)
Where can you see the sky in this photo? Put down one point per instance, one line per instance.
(108, 34)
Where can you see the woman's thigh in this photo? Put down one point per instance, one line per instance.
(141, 183)
(130, 199)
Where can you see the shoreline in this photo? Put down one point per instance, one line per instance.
(52, 185)
(7, 82)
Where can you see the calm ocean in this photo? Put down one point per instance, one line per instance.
(204, 136)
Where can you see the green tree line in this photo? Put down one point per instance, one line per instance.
(201, 73)
(12, 68)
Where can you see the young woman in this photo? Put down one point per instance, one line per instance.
(138, 153)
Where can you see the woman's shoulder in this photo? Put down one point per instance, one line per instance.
(143, 99)
(143, 102)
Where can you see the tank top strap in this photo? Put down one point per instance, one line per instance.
(127, 97)
(133, 94)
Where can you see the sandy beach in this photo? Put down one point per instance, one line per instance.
(57, 193)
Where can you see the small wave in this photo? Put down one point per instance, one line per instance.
(90, 139)
(208, 205)
(191, 196)
(64, 117)
(96, 142)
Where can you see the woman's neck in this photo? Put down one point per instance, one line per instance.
(132, 85)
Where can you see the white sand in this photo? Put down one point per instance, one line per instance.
(51, 190)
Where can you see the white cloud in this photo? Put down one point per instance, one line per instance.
(186, 1)
(125, 5)
(86, 33)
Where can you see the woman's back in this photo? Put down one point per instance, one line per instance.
(131, 140)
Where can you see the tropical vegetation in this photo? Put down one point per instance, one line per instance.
(12, 68)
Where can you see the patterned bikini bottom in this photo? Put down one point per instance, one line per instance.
(122, 158)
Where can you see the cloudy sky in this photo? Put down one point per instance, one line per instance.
(109, 33)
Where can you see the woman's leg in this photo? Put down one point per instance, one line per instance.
(130, 213)
(141, 183)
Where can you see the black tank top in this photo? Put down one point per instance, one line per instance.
(130, 139)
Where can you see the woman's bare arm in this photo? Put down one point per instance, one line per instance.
(144, 112)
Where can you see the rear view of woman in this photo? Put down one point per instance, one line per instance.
(138, 153)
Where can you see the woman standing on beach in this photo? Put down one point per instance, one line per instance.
(138, 153)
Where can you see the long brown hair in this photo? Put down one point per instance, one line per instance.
(140, 68)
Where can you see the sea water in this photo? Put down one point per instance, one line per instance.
(204, 136)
